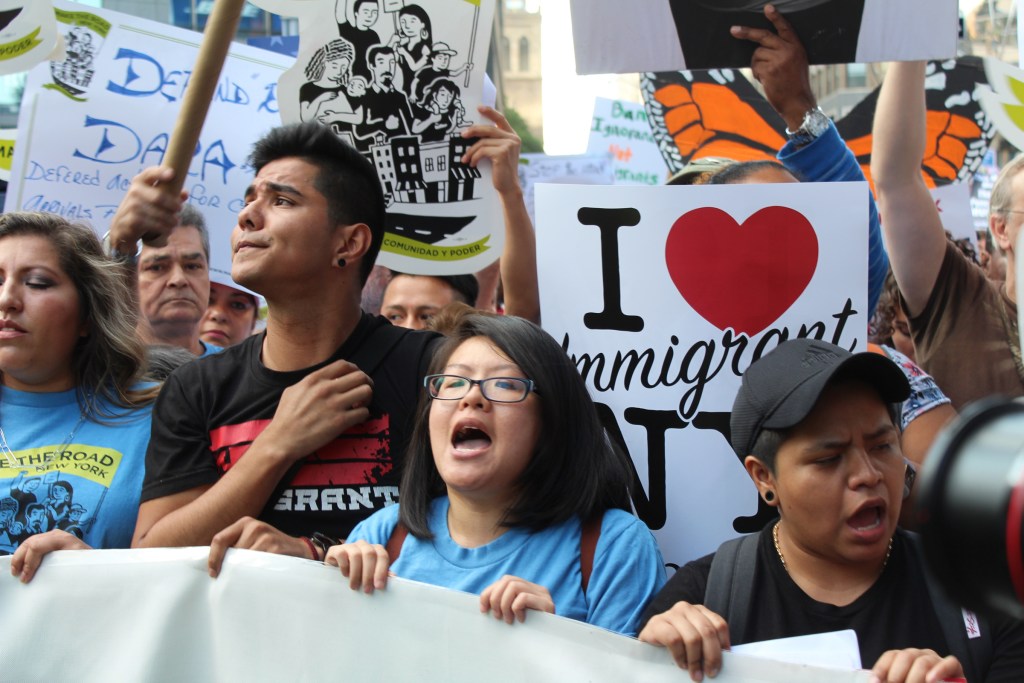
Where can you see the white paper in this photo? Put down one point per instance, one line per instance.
(835, 650)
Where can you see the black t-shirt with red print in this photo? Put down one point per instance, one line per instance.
(211, 410)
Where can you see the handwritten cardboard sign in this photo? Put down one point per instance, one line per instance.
(573, 169)
(621, 129)
(672, 293)
(92, 121)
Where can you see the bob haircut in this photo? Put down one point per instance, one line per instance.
(109, 361)
(345, 178)
(575, 470)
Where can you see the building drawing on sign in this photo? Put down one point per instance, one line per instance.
(413, 172)
(76, 71)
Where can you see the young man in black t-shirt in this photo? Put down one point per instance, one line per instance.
(298, 430)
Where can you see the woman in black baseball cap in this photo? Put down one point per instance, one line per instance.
(817, 428)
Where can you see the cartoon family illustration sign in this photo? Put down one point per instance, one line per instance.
(399, 81)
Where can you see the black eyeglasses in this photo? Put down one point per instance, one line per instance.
(496, 389)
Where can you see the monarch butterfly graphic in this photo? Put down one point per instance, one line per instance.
(719, 113)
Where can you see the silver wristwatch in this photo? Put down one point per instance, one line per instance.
(814, 126)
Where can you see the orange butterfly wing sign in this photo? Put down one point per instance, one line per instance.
(695, 114)
(958, 131)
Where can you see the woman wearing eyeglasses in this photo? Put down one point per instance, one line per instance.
(511, 490)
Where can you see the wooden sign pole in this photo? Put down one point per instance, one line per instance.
(202, 85)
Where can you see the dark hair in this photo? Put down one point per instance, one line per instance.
(437, 84)
(466, 287)
(372, 53)
(421, 14)
(163, 359)
(191, 216)
(358, 3)
(108, 361)
(64, 485)
(344, 177)
(883, 322)
(575, 470)
(741, 170)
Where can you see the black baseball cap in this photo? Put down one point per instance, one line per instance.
(781, 388)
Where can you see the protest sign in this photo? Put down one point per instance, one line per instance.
(400, 82)
(621, 129)
(666, 35)
(719, 113)
(1003, 100)
(574, 169)
(7, 136)
(28, 35)
(155, 615)
(93, 121)
(672, 293)
(953, 202)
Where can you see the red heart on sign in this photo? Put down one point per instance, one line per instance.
(741, 276)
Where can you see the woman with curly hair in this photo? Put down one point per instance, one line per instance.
(325, 95)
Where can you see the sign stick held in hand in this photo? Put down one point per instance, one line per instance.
(220, 29)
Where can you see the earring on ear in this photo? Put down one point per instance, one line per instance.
(769, 496)
(341, 263)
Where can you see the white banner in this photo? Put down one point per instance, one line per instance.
(91, 122)
(621, 129)
(155, 615)
(671, 293)
(654, 35)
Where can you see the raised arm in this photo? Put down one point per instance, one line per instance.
(501, 145)
(780, 65)
(147, 210)
(910, 222)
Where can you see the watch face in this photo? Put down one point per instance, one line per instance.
(815, 123)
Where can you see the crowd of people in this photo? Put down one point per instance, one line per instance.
(398, 424)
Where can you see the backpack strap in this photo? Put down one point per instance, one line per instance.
(590, 531)
(731, 583)
(395, 541)
(974, 649)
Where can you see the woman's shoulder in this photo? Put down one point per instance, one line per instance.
(377, 528)
(620, 522)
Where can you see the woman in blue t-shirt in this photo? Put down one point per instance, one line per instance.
(511, 489)
(74, 419)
